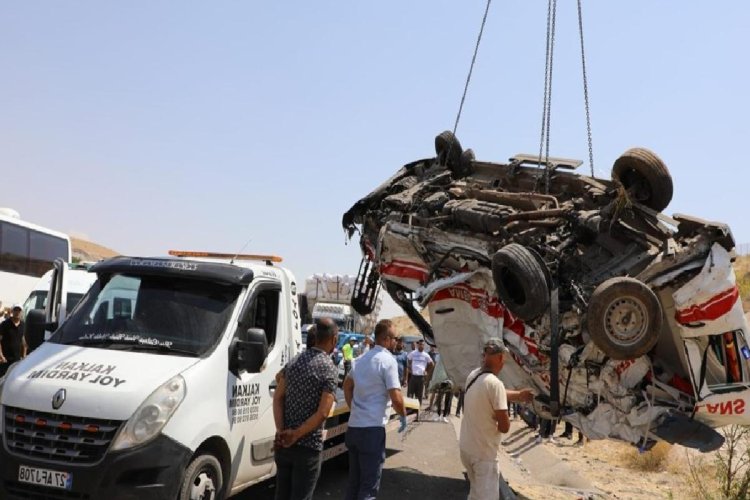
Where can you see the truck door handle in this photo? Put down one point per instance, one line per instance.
(272, 387)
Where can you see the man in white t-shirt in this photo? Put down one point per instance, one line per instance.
(485, 419)
(419, 362)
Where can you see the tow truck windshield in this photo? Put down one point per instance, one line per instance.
(151, 313)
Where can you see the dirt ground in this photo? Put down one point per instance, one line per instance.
(598, 469)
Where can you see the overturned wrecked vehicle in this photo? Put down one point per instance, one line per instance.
(627, 322)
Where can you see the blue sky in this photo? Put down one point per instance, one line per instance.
(199, 125)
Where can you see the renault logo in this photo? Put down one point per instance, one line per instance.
(58, 399)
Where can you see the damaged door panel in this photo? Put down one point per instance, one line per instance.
(627, 322)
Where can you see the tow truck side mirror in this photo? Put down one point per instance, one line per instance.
(36, 328)
(248, 351)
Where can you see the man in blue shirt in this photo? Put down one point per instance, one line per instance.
(370, 389)
(401, 359)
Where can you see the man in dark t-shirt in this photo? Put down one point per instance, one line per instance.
(303, 399)
(12, 340)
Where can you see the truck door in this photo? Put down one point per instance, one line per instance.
(250, 395)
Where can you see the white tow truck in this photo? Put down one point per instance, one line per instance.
(158, 385)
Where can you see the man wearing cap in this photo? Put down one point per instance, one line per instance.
(12, 340)
(485, 419)
(418, 364)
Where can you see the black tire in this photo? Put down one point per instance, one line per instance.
(448, 149)
(203, 479)
(645, 176)
(624, 318)
(520, 281)
(464, 167)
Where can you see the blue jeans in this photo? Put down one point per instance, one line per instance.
(298, 469)
(366, 457)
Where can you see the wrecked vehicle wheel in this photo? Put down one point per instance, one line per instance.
(448, 149)
(520, 281)
(464, 167)
(624, 318)
(645, 176)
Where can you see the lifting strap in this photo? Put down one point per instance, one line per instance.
(475, 379)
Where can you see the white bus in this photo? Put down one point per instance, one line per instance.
(27, 251)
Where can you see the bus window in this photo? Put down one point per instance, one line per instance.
(14, 248)
(43, 250)
(27, 251)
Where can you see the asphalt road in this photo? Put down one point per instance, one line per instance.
(425, 464)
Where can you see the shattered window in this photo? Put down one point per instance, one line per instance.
(727, 359)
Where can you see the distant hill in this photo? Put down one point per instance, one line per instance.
(404, 326)
(87, 251)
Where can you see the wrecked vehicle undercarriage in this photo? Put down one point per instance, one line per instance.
(627, 322)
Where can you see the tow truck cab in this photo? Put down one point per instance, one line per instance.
(158, 385)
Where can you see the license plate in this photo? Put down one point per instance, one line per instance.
(45, 477)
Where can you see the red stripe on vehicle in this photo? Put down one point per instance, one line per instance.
(477, 298)
(715, 307)
(398, 270)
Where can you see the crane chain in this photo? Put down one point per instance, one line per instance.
(547, 104)
(471, 69)
(586, 91)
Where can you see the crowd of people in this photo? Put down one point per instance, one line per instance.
(374, 383)
(304, 396)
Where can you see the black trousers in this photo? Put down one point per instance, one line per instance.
(298, 469)
(547, 427)
(447, 402)
(416, 387)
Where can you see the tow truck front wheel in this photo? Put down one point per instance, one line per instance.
(624, 318)
(203, 479)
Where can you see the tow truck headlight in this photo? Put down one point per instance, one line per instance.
(153, 414)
